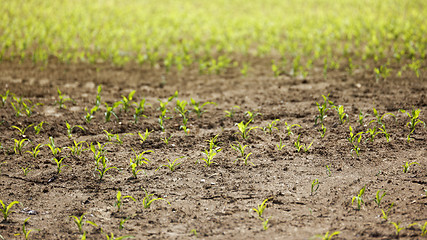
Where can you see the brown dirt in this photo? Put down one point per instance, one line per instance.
(216, 200)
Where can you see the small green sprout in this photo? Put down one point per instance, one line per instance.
(62, 100)
(70, 129)
(381, 72)
(209, 156)
(167, 139)
(26, 170)
(260, 209)
(372, 133)
(355, 139)
(55, 150)
(213, 142)
(103, 170)
(251, 116)
(4, 98)
(232, 111)
(385, 214)
(89, 113)
(22, 131)
(77, 148)
(342, 115)
(145, 136)
(111, 136)
(59, 164)
(328, 171)
(358, 198)
(140, 159)
(289, 128)
(180, 109)
(110, 111)
(265, 223)
(271, 126)
(380, 117)
(300, 146)
(98, 152)
(397, 227)
(98, 96)
(361, 117)
(126, 101)
(378, 198)
(327, 236)
(25, 232)
(6, 210)
(241, 149)
(133, 166)
(19, 145)
(35, 151)
(171, 165)
(111, 237)
(407, 165)
(79, 222)
(314, 186)
(139, 111)
(244, 129)
(122, 223)
(415, 66)
(119, 201)
(194, 232)
(322, 131)
(38, 127)
(423, 229)
(280, 145)
(148, 200)
(323, 109)
(198, 109)
(413, 120)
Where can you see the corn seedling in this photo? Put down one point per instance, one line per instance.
(198, 109)
(355, 139)
(133, 166)
(59, 164)
(98, 152)
(341, 114)
(140, 159)
(289, 128)
(300, 146)
(271, 126)
(70, 129)
(415, 66)
(241, 149)
(252, 116)
(213, 142)
(148, 200)
(378, 198)
(111, 237)
(328, 171)
(260, 209)
(77, 148)
(25, 232)
(372, 133)
(139, 111)
(26, 170)
(111, 136)
(180, 109)
(79, 222)
(314, 186)
(90, 113)
(381, 72)
(232, 111)
(194, 232)
(327, 236)
(122, 223)
(103, 169)
(362, 117)
(126, 101)
(62, 100)
(19, 145)
(98, 96)
(23, 130)
(35, 151)
(145, 136)
(4, 98)
(6, 209)
(166, 139)
(244, 129)
(110, 111)
(55, 150)
(380, 117)
(171, 165)
(413, 120)
(358, 198)
(209, 156)
(38, 127)
(397, 227)
(322, 131)
(423, 229)
(323, 109)
(280, 145)
(386, 213)
(407, 165)
(265, 223)
(119, 201)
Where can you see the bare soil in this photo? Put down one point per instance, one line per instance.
(216, 201)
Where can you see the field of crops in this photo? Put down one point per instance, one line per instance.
(213, 119)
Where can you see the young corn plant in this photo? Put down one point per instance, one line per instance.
(90, 113)
(35, 151)
(139, 111)
(122, 222)
(413, 120)
(362, 117)
(79, 222)
(98, 96)
(134, 170)
(55, 150)
(327, 236)
(70, 129)
(98, 152)
(280, 145)
(103, 169)
(289, 128)
(59, 164)
(407, 165)
(126, 102)
(322, 131)
(19, 145)
(38, 127)
(358, 198)
(423, 229)
(25, 232)
(355, 139)
(111, 237)
(172, 165)
(166, 139)
(397, 227)
(213, 142)
(119, 201)
(240, 148)
(271, 126)
(341, 114)
(23, 130)
(198, 109)
(260, 209)
(6, 209)
(148, 200)
(139, 157)
(180, 109)
(323, 109)
(3, 98)
(379, 198)
(244, 129)
(26, 170)
(372, 132)
(265, 223)
(252, 116)
(314, 186)
(77, 148)
(230, 114)
(328, 171)
(110, 111)
(300, 146)
(385, 214)
(62, 100)
(209, 156)
(380, 117)
(383, 130)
